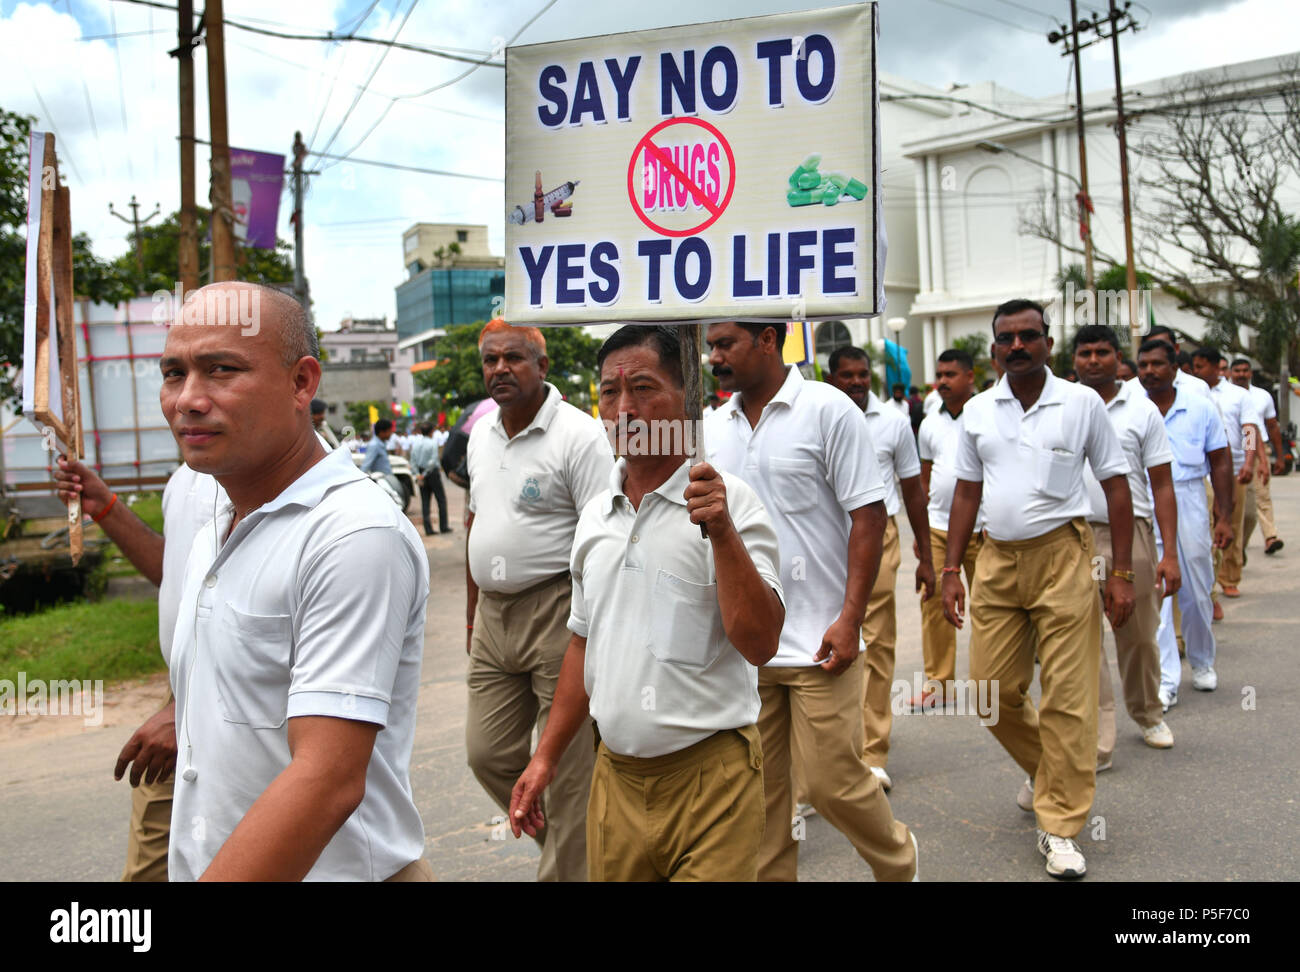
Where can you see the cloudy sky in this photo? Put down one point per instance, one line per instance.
(112, 99)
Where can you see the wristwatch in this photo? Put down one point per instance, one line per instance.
(1127, 575)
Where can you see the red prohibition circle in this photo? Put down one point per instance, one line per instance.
(641, 146)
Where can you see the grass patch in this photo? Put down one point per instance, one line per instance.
(109, 640)
(148, 507)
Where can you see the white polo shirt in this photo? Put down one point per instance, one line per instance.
(660, 672)
(190, 501)
(937, 444)
(1140, 429)
(1238, 408)
(1031, 463)
(891, 435)
(811, 461)
(526, 492)
(313, 606)
(932, 402)
(1263, 402)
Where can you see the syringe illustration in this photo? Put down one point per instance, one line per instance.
(537, 206)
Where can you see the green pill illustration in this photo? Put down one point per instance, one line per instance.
(803, 197)
(809, 180)
(856, 189)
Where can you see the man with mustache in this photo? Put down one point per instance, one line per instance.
(849, 370)
(533, 465)
(300, 632)
(1141, 433)
(954, 375)
(1027, 442)
(667, 629)
(805, 449)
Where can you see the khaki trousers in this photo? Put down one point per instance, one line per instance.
(148, 839)
(692, 815)
(816, 719)
(515, 656)
(1259, 507)
(1229, 572)
(880, 635)
(150, 830)
(1041, 592)
(938, 637)
(1135, 642)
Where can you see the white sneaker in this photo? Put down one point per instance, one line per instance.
(1064, 859)
(1204, 679)
(916, 857)
(1158, 736)
(1025, 798)
(1105, 764)
(1168, 699)
(879, 773)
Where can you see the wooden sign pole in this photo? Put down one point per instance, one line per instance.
(54, 279)
(689, 337)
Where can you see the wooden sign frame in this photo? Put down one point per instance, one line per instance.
(53, 252)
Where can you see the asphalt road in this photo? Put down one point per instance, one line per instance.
(1220, 806)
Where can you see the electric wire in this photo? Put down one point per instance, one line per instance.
(378, 64)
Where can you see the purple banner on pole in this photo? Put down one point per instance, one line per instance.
(256, 180)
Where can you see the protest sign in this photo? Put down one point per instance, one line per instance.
(722, 171)
(51, 390)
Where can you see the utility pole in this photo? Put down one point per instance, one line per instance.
(1135, 329)
(1083, 199)
(223, 230)
(188, 269)
(136, 222)
(300, 289)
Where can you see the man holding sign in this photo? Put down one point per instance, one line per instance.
(667, 631)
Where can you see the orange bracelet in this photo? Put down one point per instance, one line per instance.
(104, 512)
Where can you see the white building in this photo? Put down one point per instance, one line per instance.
(372, 339)
(975, 175)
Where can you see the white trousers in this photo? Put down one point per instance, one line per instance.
(1196, 563)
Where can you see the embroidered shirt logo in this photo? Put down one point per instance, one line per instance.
(531, 492)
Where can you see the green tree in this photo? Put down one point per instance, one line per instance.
(458, 378)
(357, 414)
(977, 346)
(14, 130)
(160, 243)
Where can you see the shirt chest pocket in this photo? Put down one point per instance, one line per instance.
(794, 484)
(1186, 452)
(1059, 472)
(538, 491)
(687, 625)
(253, 652)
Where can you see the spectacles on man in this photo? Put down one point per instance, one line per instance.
(1008, 338)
